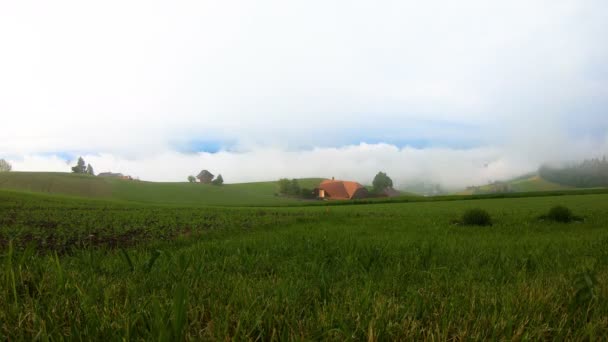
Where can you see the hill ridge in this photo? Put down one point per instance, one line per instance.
(182, 193)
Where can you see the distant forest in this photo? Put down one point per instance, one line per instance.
(590, 173)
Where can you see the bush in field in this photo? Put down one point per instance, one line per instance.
(307, 193)
(476, 217)
(561, 214)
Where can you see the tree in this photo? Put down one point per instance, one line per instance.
(295, 187)
(381, 182)
(90, 170)
(219, 180)
(80, 166)
(289, 187)
(191, 179)
(5, 166)
(284, 186)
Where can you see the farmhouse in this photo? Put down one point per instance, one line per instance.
(340, 190)
(205, 177)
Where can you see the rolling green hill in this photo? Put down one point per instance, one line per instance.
(536, 183)
(528, 183)
(187, 194)
(259, 193)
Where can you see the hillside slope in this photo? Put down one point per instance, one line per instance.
(536, 183)
(529, 183)
(259, 193)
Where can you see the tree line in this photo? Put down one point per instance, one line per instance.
(588, 174)
(82, 168)
(292, 188)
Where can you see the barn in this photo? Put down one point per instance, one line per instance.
(205, 177)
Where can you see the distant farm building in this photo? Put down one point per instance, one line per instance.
(340, 190)
(205, 177)
(114, 175)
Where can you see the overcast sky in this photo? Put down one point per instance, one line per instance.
(458, 92)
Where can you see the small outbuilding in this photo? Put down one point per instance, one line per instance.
(340, 190)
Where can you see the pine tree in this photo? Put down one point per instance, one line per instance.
(80, 166)
(90, 170)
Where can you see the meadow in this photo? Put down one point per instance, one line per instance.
(94, 269)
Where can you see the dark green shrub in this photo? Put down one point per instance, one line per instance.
(289, 187)
(561, 214)
(307, 193)
(476, 217)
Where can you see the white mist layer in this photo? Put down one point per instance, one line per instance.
(452, 168)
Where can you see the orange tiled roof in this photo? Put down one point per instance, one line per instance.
(337, 189)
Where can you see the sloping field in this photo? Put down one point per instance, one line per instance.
(536, 183)
(57, 183)
(523, 184)
(260, 193)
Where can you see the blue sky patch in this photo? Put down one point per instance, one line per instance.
(195, 146)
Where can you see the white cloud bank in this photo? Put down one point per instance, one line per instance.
(448, 167)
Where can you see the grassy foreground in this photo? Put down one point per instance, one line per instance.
(377, 272)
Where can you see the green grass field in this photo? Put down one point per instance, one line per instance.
(261, 193)
(96, 269)
(535, 183)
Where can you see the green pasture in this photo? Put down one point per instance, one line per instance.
(178, 193)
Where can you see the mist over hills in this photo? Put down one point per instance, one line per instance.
(587, 174)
